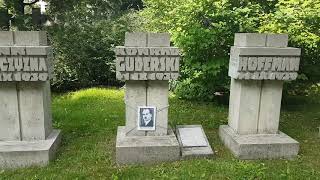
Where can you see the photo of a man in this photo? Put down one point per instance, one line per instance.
(146, 118)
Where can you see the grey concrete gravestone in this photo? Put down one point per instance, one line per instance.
(26, 134)
(259, 63)
(146, 63)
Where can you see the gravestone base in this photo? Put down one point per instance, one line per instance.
(17, 154)
(259, 146)
(193, 149)
(146, 149)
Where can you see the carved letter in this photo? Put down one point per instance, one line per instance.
(7, 76)
(26, 66)
(129, 63)
(138, 64)
(143, 51)
(43, 76)
(159, 76)
(120, 51)
(154, 64)
(18, 63)
(10, 63)
(261, 61)
(3, 64)
(120, 65)
(146, 63)
(285, 64)
(252, 63)
(267, 64)
(131, 51)
(162, 64)
(276, 64)
(170, 64)
(294, 64)
(243, 63)
(34, 64)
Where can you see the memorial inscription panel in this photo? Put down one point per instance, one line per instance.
(147, 63)
(25, 63)
(264, 63)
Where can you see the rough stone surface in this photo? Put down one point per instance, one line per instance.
(136, 39)
(269, 51)
(9, 112)
(6, 38)
(17, 154)
(38, 50)
(192, 136)
(158, 95)
(250, 39)
(30, 38)
(136, 95)
(259, 146)
(270, 105)
(146, 149)
(194, 144)
(35, 110)
(158, 39)
(244, 105)
(277, 40)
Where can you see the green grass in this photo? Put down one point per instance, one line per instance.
(89, 120)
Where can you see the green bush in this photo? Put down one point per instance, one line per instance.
(84, 52)
(301, 20)
(83, 40)
(204, 30)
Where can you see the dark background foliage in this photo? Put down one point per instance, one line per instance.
(83, 34)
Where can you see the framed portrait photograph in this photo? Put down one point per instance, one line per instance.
(147, 118)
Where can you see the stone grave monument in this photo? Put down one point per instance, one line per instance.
(146, 63)
(26, 134)
(259, 63)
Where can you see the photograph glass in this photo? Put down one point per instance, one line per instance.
(146, 118)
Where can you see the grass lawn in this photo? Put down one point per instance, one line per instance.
(89, 120)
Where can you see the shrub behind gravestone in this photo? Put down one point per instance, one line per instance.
(205, 31)
(84, 52)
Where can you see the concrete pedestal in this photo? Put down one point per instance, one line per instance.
(16, 154)
(146, 149)
(146, 63)
(259, 146)
(258, 66)
(26, 134)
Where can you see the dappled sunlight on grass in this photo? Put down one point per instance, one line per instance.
(96, 93)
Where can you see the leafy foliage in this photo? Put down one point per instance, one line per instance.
(301, 20)
(83, 38)
(205, 29)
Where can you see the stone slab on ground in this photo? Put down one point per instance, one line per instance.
(259, 146)
(17, 154)
(146, 149)
(193, 141)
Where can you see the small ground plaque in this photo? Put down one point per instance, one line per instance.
(193, 141)
(192, 137)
